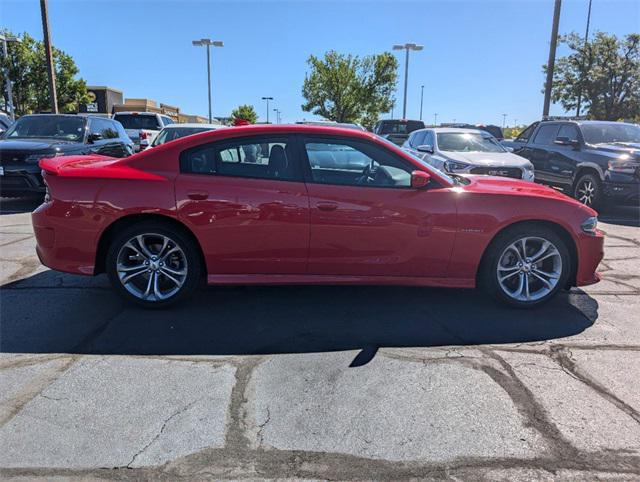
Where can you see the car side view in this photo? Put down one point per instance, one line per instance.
(306, 205)
(596, 162)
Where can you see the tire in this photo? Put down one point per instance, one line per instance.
(588, 190)
(516, 279)
(149, 251)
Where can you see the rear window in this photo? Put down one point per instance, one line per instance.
(136, 121)
(400, 127)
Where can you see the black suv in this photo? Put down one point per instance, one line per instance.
(397, 130)
(594, 161)
(33, 137)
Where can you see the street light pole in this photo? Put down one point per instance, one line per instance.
(11, 110)
(552, 58)
(435, 120)
(51, 73)
(267, 99)
(421, 99)
(504, 120)
(406, 48)
(206, 42)
(586, 44)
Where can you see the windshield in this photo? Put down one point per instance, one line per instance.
(400, 127)
(467, 142)
(610, 133)
(171, 134)
(421, 161)
(136, 121)
(47, 127)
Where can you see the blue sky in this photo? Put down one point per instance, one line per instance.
(481, 58)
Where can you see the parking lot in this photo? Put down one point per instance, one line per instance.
(317, 382)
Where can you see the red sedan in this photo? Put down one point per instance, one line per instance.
(306, 205)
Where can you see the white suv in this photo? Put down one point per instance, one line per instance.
(142, 126)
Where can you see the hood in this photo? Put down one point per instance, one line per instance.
(497, 159)
(515, 187)
(35, 145)
(616, 148)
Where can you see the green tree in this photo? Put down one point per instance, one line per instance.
(347, 88)
(27, 66)
(604, 71)
(245, 112)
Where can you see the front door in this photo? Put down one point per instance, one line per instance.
(366, 220)
(246, 202)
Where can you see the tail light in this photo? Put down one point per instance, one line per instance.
(143, 135)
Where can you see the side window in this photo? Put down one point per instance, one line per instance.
(546, 134)
(569, 131)
(264, 158)
(167, 120)
(94, 126)
(429, 139)
(417, 138)
(526, 134)
(109, 129)
(355, 163)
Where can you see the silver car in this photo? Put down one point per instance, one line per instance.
(467, 151)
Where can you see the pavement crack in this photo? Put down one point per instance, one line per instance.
(263, 425)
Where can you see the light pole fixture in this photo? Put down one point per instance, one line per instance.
(267, 99)
(7, 84)
(277, 111)
(406, 48)
(421, 99)
(207, 42)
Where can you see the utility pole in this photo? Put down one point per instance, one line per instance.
(586, 45)
(49, 56)
(552, 58)
(11, 110)
(421, 99)
(406, 48)
(267, 99)
(207, 42)
(504, 120)
(435, 120)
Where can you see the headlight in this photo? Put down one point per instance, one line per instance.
(34, 158)
(624, 165)
(590, 225)
(455, 166)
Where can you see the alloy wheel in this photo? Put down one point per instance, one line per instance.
(529, 269)
(585, 192)
(152, 267)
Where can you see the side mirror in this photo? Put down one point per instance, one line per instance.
(95, 137)
(565, 141)
(420, 179)
(425, 148)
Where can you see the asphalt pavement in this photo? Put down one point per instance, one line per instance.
(317, 382)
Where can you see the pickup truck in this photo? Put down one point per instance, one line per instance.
(596, 162)
(142, 126)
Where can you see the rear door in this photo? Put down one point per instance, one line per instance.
(246, 201)
(366, 220)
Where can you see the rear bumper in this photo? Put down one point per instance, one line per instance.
(590, 253)
(61, 242)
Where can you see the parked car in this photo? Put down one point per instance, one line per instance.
(246, 206)
(494, 130)
(33, 137)
(467, 151)
(397, 130)
(142, 125)
(346, 125)
(593, 161)
(5, 122)
(176, 131)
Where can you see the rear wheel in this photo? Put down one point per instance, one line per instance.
(588, 190)
(153, 265)
(526, 266)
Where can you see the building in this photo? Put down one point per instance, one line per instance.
(102, 99)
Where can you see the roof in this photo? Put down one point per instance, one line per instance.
(194, 124)
(457, 130)
(138, 112)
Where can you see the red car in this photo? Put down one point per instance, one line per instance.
(306, 205)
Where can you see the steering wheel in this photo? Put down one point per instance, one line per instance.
(369, 174)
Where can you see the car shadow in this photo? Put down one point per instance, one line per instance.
(56, 313)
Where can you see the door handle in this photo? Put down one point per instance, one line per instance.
(327, 206)
(198, 195)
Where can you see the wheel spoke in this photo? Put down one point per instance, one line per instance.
(527, 295)
(165, 243)
(510, 275)
(169, 277)
(156, 288)
(143, 247)
(171, 251)
(130, 245)
(180, 272)
(546, 282)
(548, 255)
(150, 281)
(135, 274)
(545, 245)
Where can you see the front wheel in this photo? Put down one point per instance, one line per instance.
(588, 190)
(526, 266)
(153, 265)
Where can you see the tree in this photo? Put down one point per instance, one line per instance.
(245, 112)
(347, 88)
(604, 71)
(27, 66)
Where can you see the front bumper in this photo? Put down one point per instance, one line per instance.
(622, 192)
(590, 253)
(18, 183)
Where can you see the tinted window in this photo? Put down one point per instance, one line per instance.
(429, 139)
(526, 134)
(546, 134)
(355, 163)
(48, 126)
(267, 158)
(167, 120)
(137, 121)
(569, 131)
(400, 127)
(104, 127)
(171, 134)
(416, 138)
